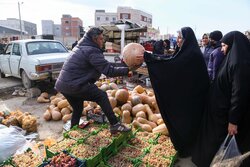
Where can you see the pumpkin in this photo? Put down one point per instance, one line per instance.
(126, 106)
(52, 98)
(41, 99)
(65, 111)
(66, 117)
(47, 115)
(56, 100)
(121, 96)
(139, 89)
(141, 114)
(144, 121)
(63, 103)
(151, 116)
(56, 115)
(112, 101)
(113, 86)
(130, 53)
(137, 108)
(117, 111)
(126, 118)
(161, 129)
(144, 127)
(160, 121)
(113, 93)
(135, 100)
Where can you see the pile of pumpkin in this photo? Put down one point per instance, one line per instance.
(138, 107)
(59, 108)
(17, 118)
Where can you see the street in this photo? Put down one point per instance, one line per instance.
(25, 104)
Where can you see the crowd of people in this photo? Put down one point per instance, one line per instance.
(203, 92)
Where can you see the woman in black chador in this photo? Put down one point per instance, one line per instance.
(180, 83)
(229, 104)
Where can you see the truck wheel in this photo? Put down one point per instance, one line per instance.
(2, 74)
(27, 83)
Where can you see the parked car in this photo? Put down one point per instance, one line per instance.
(33, 60)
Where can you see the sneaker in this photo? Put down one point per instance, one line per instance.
(118, 127)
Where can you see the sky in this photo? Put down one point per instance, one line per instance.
(203, 16)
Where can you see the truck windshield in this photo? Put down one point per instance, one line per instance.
(44, 47)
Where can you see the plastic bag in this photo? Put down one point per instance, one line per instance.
(228, 155)
(11, 139)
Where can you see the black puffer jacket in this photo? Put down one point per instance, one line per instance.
(85, 66)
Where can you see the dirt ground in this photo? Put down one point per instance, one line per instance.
(46, 129)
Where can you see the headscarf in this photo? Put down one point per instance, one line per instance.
(238, 42)
(180, 83)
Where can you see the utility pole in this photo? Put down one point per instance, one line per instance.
(20, 20)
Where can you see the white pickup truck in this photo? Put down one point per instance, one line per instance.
(33, 60)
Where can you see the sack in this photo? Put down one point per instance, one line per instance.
(228, 154)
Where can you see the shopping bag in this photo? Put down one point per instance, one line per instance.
(228, 154)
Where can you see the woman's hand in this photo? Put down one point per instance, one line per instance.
(232, 129)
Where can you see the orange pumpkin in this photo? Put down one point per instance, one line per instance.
(130, 52)
(121, 96)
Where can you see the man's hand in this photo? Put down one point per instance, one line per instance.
(140, 58)
(232, 129)
(134, 67)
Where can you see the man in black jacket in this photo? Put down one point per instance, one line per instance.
(79, 73)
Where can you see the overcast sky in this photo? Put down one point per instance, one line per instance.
(169, 15)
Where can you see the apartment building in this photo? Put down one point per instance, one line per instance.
(28, 28)
(135, 16)
(71, 26)
(104, 18)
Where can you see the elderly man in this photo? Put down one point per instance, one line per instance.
(79, 73)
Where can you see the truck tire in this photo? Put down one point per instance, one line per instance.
(2, 74)
(27, 83)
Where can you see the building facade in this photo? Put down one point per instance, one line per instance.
(28, 28)
(104, 18)
(135, 16)
(57, 30)
(71, 26)
(48, 27)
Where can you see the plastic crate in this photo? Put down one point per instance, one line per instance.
(82, 132)
(91, 161)
(122, 139)
(50, 153)
(29, 150)
(6, 163)
(79, 163)
(109, 151)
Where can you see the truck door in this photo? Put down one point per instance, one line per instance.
(5, 60)
(15, 59)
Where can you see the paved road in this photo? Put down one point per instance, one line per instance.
(8, 83)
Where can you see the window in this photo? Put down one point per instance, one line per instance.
(125, 15)
(114, 19)
(107, 18)
(98, 18)
(150, 20)
(144, 18)
(8, 49)
(66, 22)
(16, 49)
(43, 47)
